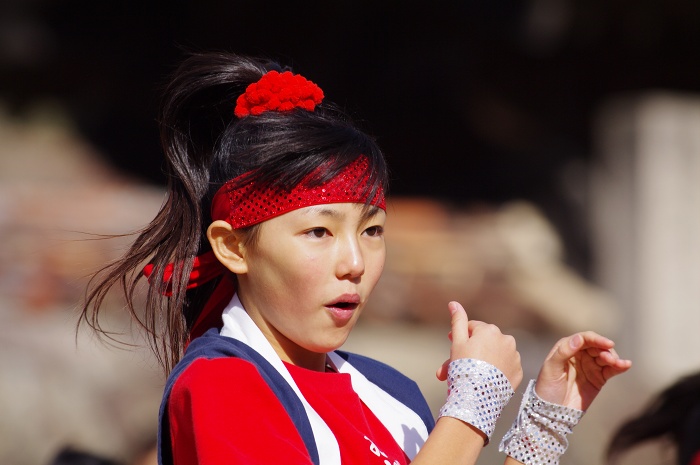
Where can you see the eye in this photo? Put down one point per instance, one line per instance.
(374, 231)
(317, 233)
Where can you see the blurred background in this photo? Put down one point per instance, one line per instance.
(545, 160)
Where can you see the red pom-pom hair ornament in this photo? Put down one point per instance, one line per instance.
(277, 91)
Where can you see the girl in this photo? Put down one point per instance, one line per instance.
(261, 261)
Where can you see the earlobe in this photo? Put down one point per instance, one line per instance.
(227, 245)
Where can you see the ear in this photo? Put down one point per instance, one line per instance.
(227, 245)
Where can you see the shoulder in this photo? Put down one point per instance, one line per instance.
(210, 356)
(221, 385)
(209, 414)
(210, 376)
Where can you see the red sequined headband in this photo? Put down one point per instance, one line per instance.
(248, 205)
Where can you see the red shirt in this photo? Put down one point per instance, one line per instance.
(222, 411)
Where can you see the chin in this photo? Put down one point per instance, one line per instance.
(330, 345)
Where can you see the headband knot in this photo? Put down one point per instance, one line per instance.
(277, 91)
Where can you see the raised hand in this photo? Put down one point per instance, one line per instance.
(482, 341)
(577, 368)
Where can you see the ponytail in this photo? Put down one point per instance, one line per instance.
(197, 108)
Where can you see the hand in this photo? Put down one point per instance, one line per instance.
(481, 341)
(577, 368)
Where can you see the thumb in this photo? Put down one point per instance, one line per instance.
(556, 363)
(553, 378)
(567, 348)
(459, 335)
(460, 330)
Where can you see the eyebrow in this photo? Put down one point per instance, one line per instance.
(324, 211)
(367, 212)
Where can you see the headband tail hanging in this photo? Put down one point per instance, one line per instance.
(205, 268)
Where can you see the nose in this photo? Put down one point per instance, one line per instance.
(351, 262)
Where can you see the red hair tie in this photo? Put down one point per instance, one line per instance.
(277, 91)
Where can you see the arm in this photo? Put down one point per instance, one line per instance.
(453, 441)
(572, 375)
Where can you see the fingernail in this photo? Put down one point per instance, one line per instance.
(454, 307)
(575, 342)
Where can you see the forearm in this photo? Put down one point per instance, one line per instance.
(452, 441)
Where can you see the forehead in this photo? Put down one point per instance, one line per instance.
(350, 212)
(341, 211)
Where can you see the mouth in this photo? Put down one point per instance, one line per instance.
(345, 302)
(343, 308)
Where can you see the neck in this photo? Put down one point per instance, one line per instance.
(291, 353)
(309, 360)
(286, 350)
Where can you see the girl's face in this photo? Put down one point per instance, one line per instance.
(309, 275)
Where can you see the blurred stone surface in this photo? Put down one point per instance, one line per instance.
(58, 387)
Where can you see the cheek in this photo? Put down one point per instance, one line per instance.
(304, 273)
(375, 266)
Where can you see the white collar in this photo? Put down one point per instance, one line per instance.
(404, 424)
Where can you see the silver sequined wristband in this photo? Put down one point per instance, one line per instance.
(538, 435)
(476, 394)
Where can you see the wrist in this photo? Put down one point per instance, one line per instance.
(477, 393)
(539, 433)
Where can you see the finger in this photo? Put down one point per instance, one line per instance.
(471, 325)
(594, 340)
(566, 348)
(587, 340)
(474, 324)
(599, 369)
(460, 323)
(441, 372)
(613, 360)
(607, 358)
(621, 367)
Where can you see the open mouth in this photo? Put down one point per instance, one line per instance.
(345, 305)
(345, 302)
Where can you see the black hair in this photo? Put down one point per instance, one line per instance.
(205, 145)
(673, 414)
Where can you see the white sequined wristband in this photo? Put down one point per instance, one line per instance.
(538, 435)
(476, 394)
